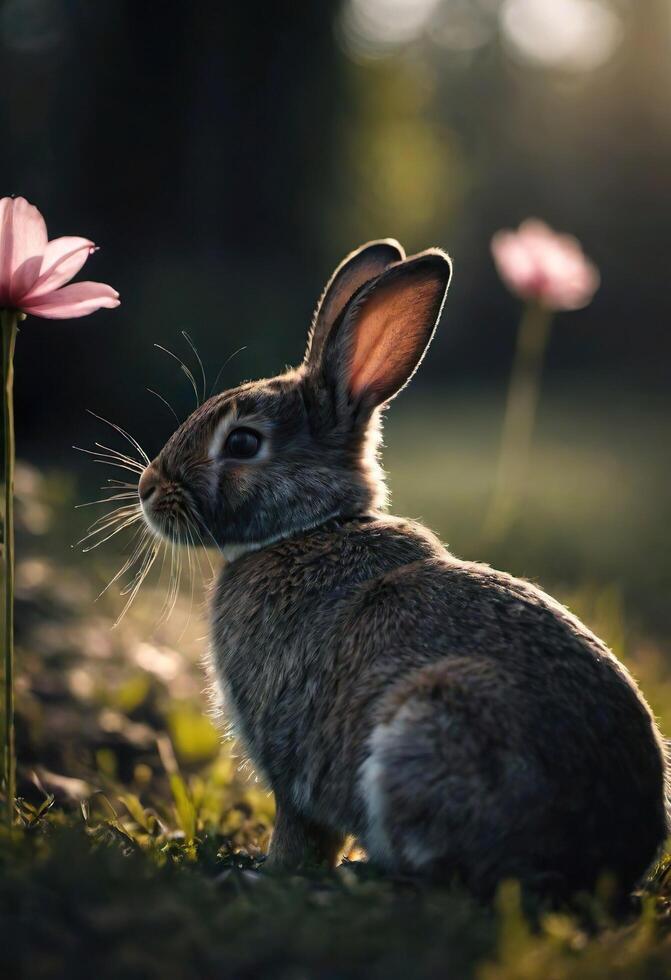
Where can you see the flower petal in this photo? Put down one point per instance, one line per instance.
(77, 299)
(514, 262)
(30, 232)
(22, 280)
(6, 247)
(539, 264)
(23, 238)
(62, 259)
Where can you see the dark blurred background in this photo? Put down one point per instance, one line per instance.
(226, 156)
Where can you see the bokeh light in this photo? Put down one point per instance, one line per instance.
(576, 35)
(464, 25)
(372, 28)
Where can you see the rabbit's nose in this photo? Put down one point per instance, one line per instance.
(148, 484)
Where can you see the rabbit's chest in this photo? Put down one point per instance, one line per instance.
(274, 665)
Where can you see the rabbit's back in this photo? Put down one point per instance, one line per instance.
(324, 641)
(522, 748)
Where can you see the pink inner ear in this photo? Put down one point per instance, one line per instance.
(393, 328)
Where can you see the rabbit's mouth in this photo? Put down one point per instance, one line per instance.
(166, 507)
(168, 520)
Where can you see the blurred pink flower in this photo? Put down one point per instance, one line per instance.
(539, 264)
(33, 270)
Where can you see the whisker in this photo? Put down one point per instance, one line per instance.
(144, 547)
(125, 434)
(149, 560)
(141, 538)
(122, 509)
(165, 552)
(199, 551)
(178, 578)
(169, 549)
(145, 542)
(166, 403)
(198, 358)
(130, 561)
(119, 466)
(175, 577)
(113, 516)
(123, 457)
(191, 576)
(127, 523)
(110, 460)
(226, 362)
(194, 525)
(107, 500)
(184, 368)
(120, 484)
(147, 549)
(178, 582)
(94, 531)
(214, 540)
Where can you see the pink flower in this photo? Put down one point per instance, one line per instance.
(539, 264)
(33, 270)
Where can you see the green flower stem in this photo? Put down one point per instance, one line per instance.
(8, 320)
(519, 418)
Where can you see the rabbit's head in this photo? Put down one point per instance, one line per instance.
(270, 458)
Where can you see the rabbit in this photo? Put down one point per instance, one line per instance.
(459, 722)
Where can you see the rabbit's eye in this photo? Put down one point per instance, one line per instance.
(242, 444)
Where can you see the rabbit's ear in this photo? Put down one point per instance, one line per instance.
(386, 330)
(358, 268)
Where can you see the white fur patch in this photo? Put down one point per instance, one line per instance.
(228, 711)
(371, 777)
(377, 841)
(236, 550)
(416, 852)
(233, 551)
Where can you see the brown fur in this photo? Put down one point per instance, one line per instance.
(459, 721)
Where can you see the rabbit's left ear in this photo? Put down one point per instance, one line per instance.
(385, 331)
(356, 269)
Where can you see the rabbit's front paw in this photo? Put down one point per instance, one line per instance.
(297, 842)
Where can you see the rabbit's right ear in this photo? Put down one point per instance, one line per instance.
(377, 344)
(358, 268)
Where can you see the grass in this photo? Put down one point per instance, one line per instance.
(160, 874)
(129, 894)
